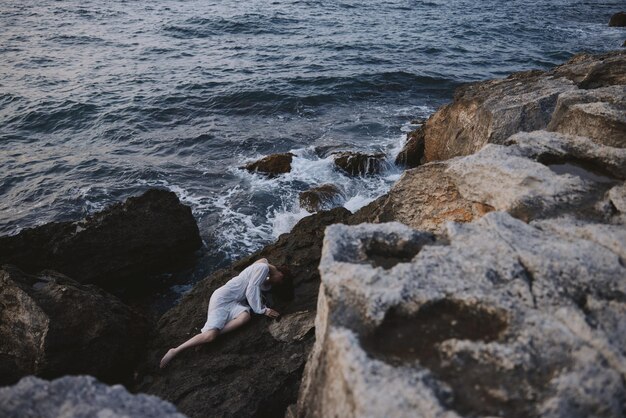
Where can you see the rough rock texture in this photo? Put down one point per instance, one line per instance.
(501, 318)
(51, 325)
(272, 165)
(359, 164)
(254, 371)
(324, 197)
(559, 100)
(618, 19)
(507, 314)
(78, 397)
(423, 198)
(117, 247)
(517, 309)
(413, 151)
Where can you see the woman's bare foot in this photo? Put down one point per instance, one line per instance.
(167, 357)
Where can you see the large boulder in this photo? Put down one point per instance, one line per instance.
(599, 114)
(534, 175)
(78, 397)
(272, 165)
(51, 325)
(254, 371)
(425, 198)
(359, 164)
(618, 19)
(117, 247)
(324, 197)
(491, 111)
(498, 318)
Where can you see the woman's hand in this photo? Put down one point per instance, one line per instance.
(271, 313)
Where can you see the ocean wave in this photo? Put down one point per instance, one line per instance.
(247, 24)
(46, 116)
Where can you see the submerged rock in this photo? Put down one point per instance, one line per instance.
(413, 151)
(51, 325)
(501, 318)
(272, 165)
(359, 164)
(78, 397)
(324, 197)
(618, 19)
(117, 247)
(254, 371)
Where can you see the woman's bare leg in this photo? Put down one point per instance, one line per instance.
(205, 337)
(233, 324)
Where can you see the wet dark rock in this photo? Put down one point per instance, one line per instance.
(618, 19)
(413, 151)
(272, 165)
(324, 197)
(50, 325)
(359, 164)
(117, 247)
(78, 397)
(254, 371)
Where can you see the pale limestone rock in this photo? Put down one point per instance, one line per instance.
(617, 195)
(424, 198)
(78, 397)
(501, 177)
(583, 97)
(598, 114)
(500, 318)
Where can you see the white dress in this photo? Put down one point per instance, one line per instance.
(229, 301)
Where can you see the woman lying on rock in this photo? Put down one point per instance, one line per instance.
(227, 307)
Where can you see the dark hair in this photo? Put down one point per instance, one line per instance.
(284, 291)
(286, 271)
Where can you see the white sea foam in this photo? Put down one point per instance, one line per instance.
(259, 209)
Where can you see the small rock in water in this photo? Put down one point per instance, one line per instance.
(272, 165)
(418, 121)
(324, 197)
(618, 19)
(359, 164)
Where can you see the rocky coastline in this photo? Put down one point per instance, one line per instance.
(503, 244)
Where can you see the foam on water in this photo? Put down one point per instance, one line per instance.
(242, 229)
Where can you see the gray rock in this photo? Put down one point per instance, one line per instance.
(78, 397)
(501, 318)
(598, 114)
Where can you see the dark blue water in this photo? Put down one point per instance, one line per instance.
(100, 100)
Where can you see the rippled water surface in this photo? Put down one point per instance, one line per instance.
(100, 100)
